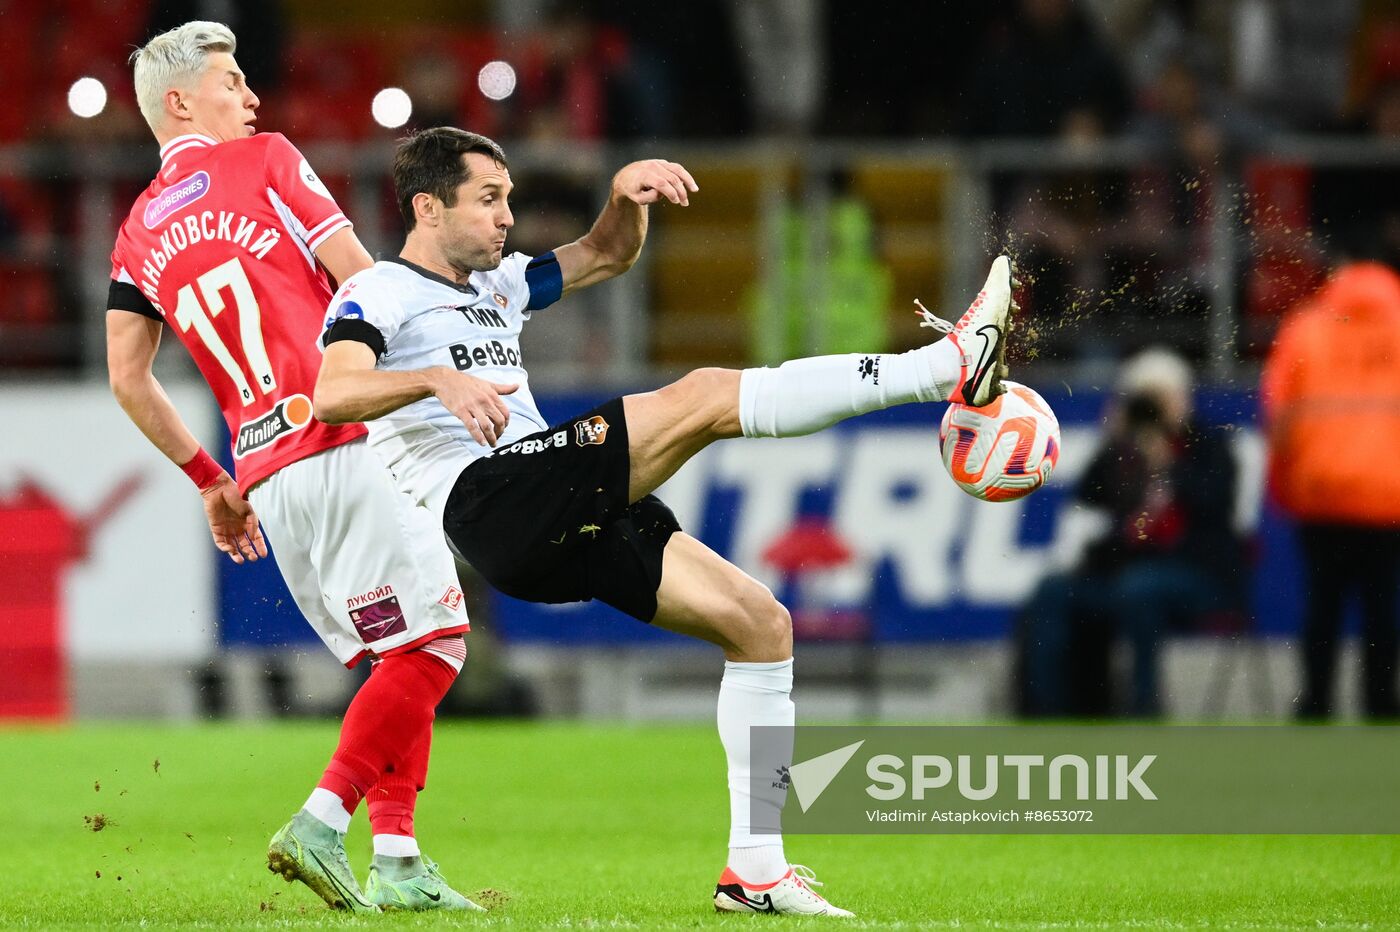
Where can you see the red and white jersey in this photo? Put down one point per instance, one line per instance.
(221, 247)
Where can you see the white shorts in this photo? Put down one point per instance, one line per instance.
(368, 568)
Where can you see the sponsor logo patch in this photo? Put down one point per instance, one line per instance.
(379, 620)
(452, 598)
(311, 179)
(590, 432)
(345, 310)
(290, 415)
(176, 197)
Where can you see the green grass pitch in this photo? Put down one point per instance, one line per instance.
(588, 826)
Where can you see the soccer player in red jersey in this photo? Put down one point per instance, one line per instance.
(230, 247)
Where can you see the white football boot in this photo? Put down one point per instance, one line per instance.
(791, 894)
(980, 336)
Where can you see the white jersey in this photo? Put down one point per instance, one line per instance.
(426, 320)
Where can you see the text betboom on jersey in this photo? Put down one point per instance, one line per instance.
(186, 231)
(490, 352)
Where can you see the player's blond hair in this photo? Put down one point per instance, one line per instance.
(175, 57)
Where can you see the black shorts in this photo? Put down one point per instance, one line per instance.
(547, 518)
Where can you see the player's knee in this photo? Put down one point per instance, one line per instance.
(707, 379)
(712, 395)
(766, 627)
(778, 626)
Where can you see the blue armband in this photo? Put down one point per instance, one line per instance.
(545, 280)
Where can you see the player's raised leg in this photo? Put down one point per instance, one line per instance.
(668, 426)
(704, 596)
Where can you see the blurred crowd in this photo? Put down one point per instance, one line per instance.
(1199, 75)
(1120, 255)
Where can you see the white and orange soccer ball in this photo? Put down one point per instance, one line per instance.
(1001, 451)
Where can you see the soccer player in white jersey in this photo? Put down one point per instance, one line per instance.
(565, 513)
(229, 247)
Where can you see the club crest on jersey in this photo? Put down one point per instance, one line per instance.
(452, 598)
(289, 415)
(177, 197)
(590, 432)
(499, 299)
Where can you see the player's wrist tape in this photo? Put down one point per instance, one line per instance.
(203, 470)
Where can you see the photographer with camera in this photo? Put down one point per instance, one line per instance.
(1163, 486)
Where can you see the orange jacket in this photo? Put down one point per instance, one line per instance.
(1331, 401)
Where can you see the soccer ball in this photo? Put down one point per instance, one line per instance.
(1001, 451)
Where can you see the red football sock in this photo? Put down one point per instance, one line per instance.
(389, 717)
(392, 800)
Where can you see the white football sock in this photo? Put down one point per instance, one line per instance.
(396, 846)
(760, 864)
(755, 694)
(328, 808)
(804, 395)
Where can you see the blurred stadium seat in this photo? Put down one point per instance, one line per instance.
(706, 257)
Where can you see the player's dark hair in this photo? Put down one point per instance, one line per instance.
(430, 162)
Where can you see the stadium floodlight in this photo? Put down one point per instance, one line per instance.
(496, 80)
(87, 97)
(391, 107)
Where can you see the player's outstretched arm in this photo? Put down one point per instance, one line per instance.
(132, 341)
(613, 244)
(349, 388)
